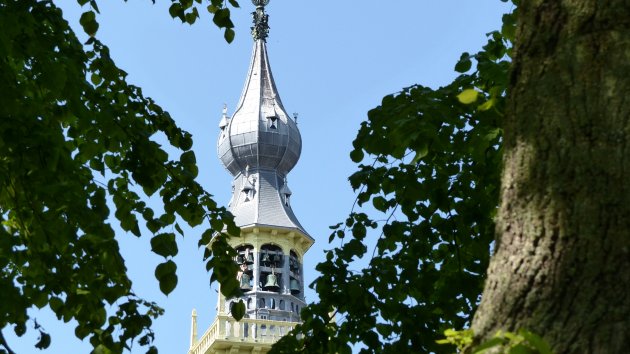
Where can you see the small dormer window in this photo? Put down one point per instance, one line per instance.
(273, 122)
(249, 185)
(285, 192)
(248, 189)
(286, 199)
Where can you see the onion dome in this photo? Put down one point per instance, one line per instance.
(260, 134)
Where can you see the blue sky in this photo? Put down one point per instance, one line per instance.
(332, 62)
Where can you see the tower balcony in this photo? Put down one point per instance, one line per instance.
(226, 335)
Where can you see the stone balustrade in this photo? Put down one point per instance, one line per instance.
(247, 330)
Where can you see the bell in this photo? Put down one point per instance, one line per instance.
(239, 259)
(265, 259)
(245, 286)
(250, 258)
(272, 283)
(294, 286)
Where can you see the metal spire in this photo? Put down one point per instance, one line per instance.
(260, 30)
(260, 144)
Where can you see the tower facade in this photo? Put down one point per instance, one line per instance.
(259, 145)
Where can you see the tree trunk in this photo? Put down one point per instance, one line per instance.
(561, 268)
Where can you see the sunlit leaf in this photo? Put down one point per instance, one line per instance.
(468, 96)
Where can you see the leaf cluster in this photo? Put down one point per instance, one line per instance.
(76, 141)
(431, 166)
(520, 342)
(187, 11)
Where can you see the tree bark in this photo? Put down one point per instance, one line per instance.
(561, 267)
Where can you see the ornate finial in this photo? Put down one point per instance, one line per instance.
(223, 123)
(193, 329)
(260, 30)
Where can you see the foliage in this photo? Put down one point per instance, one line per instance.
(522, 342)
(76, 143)
(433, 174)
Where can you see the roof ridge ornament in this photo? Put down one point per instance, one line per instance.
(260, 30)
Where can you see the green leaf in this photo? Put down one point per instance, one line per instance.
(233, 230)
(229, 35)
(489, 344)
(165, 274)
(222, 19)
(188, 158)
(175, 10)
(468, 96)
(420, 153)
(238, 310)
(43, 341)
(536, 342)
(95, 6)
(88, 21)
(380, 203)
(464, 64)
(356, 155)
(102, 349)
(164, 244)
(96, 79)
(191, 18)
(179, 229)
(19, 329)
(486, 105)
(55, 304)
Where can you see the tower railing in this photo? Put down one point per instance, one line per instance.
(247, 330)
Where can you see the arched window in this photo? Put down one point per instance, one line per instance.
(271, 267)
(261, 303)
(294, 263)
(271, 256)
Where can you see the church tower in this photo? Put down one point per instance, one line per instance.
(259, 145)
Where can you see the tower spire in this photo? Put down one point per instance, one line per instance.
(259, 145)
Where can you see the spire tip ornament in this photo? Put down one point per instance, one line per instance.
(260, 30)
(260, 3)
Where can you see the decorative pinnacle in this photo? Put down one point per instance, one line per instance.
(260, 30)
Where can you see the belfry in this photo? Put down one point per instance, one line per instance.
(259, 145)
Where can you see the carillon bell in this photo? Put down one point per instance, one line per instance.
(245, 285)
(272, 283)
(294, 286)
(239, 259)
(265, 259)
(249, 258)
